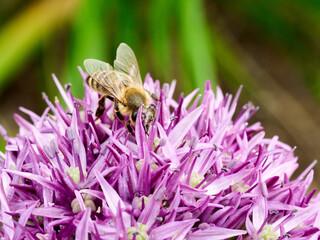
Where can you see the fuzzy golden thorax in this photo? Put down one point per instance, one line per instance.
(133, 98)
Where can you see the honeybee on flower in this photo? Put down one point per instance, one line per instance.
(123, 85)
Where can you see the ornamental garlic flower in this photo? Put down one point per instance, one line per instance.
(199, 174)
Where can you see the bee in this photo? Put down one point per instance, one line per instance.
(123, 85)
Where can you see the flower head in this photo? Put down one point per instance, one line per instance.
(198, 174)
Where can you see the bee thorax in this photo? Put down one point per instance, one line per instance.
(134, 97)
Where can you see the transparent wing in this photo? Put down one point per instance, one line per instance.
(104, 79)
(126, 62)
(92, 66)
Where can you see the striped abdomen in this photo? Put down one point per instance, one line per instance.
(95, 85)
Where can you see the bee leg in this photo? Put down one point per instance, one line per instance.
(121, 118)
(116, 110)
(146, 128)
(110, 98)
(101, 107)
(128, 126)
(153, 96)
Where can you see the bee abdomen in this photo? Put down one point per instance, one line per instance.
(95, 85)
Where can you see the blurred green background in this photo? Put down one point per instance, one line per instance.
(271, 47)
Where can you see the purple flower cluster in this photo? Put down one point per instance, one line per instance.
(198, 174)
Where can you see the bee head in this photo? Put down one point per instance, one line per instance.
(149, 115)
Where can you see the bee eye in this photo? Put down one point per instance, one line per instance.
(134, 116)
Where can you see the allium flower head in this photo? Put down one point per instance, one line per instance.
(200, 173)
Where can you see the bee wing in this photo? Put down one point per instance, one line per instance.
(92, 66)
(104, 79)
(126, 62)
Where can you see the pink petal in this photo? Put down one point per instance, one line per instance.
(182, 128)
(63, 93)
(216, 233)
(223, 182)
(83, 226)
(168, 230)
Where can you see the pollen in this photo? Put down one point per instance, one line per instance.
(138, 234)
(268, 233)
(88, 202)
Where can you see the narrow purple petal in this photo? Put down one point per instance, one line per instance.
(182, 128)
(34, 117)
(6, 219)
(188, 98)
(120, 225)
(167, 148)
(23, 220)
(217, 233)
(259, 212)
(169, 230)
(51, 212)
(111, 196)
(140, 135)
(46, 183)
(224, 182)
(83, 226)
(63, 93)
(300, 216)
